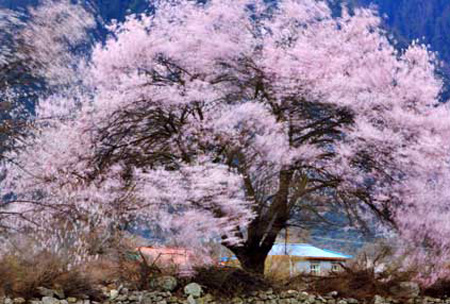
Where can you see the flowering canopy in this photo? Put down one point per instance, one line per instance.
(217, 118)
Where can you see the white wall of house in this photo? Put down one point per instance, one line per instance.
(320, 267)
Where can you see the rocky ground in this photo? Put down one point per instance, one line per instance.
(193, 293)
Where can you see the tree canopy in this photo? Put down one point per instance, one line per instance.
(215, 119)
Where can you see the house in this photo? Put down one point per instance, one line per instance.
(179, 260)
(290, 259)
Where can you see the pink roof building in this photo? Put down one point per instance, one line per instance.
(179, 259)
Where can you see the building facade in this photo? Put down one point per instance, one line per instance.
(291, 259)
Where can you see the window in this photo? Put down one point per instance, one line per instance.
(335, 267)
(314, 268)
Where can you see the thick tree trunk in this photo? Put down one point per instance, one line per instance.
(253, 253)
(263, 230)
(261, 237)
(253, 261)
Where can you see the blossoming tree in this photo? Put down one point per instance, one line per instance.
(218, 118)
(36, 58)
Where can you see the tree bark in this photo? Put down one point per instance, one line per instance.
(264, 229)
(252, 261)
(253, 253)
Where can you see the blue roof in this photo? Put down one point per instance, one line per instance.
(306, 250)
(300, 250)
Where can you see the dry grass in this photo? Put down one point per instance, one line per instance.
(362, 279)
(22, 270)
(135, 270)
(352, 283)
(21, 275)
(229, 281)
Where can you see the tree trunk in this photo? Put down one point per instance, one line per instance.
(253, 253)
(263, 230)
(252, 260)
(255, 264)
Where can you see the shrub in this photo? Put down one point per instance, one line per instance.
(26, 264)
(229, 281)
(21, 275)
(137, 272)
(374, 272)
(440, 289)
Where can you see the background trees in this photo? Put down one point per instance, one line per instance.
(36, 59)
(217, 119)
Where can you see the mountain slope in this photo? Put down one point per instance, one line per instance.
(107, 9)
(417, 19)
(407, 19)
